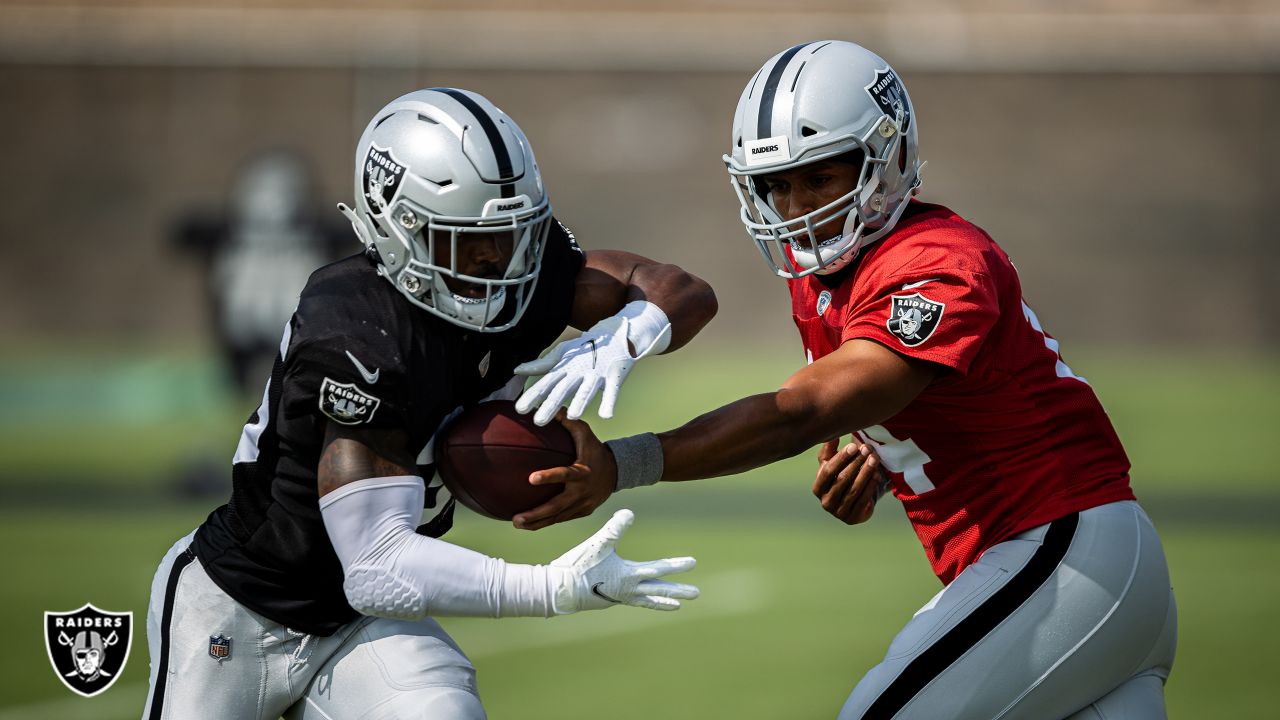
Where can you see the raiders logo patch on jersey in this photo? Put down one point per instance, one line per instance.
(913, 318)
(889, 94)
(347, 404)
(382, 176)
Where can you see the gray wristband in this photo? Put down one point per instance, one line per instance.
(639, 460)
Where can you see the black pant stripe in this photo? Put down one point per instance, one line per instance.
(166, 619)
(959, 639)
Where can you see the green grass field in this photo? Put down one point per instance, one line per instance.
(795, 605)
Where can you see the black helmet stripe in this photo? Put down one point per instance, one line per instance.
(763, 125)
(490, 128)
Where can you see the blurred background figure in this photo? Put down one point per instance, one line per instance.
(257, 253)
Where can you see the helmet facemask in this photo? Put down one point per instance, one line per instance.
(424, 238)
(830, 237)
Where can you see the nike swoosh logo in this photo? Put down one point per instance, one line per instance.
(369, 377)
(908, 286)
(595, 590)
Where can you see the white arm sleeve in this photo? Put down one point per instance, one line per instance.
(392, 571)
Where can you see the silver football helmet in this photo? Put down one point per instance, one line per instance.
(817, 101)
(440, 167)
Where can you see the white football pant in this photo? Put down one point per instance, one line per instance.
(371, 669)
(1073, 619)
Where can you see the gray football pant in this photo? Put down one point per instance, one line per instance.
(372, 668)
(1074, 619)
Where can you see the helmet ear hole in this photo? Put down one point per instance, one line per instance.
(807, 131)
(902, 157)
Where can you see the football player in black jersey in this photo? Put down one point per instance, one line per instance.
(310, 594)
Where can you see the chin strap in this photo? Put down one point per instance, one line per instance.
(362, 232)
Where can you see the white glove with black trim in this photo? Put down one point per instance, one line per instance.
(592, 576)
(598, 358)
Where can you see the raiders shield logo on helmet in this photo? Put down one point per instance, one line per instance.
(913, 318)
(889, 94)
(382, 176)
(346, 403)
(88, 648)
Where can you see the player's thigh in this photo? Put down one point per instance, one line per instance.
(393, 670)
(187, 610)
(1040, 626)
(934, 639)
(1116, 598)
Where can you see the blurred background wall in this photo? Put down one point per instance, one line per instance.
(1124, 153)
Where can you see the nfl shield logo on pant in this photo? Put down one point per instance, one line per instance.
(219, 647)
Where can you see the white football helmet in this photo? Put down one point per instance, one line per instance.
(817, 101)
(442, 166)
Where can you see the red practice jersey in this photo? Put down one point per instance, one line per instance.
(1009, 437)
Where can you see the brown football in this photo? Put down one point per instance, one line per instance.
(487, 453)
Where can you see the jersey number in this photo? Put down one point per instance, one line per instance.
(1059, 367)
(900, 456)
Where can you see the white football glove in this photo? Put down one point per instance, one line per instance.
(597, 358)
(592, 576)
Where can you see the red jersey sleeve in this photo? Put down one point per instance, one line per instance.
(938, 315)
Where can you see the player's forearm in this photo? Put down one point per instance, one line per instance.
(860, 385)
(391, 571)
(743, 435)
(688, 301)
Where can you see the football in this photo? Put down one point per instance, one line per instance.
(486, 454)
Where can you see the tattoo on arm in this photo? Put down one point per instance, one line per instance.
(350, 455)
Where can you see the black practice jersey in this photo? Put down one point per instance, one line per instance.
(357, 352)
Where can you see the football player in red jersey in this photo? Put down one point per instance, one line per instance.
(1057, 600)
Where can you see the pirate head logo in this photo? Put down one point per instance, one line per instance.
(913, 318)
(347, 404)
(886, 89)
(88, 647)
(382, 176)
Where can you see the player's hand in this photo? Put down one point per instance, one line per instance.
(592, 576)
(588, 482)
(848, 480)
(599, 358)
